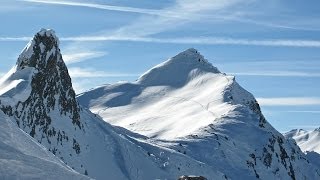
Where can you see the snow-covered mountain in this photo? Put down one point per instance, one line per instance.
(182, 117)
(187, 106)
(309, 143)
(306, 140)
(23, 158)
(37, 95)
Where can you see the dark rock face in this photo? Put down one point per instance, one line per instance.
(51, 79)
(192, 178)
(255, 107)
(51, 91)
(273, 153)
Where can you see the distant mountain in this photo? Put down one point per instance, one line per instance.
(23, 158)
(306, 140)
(189, 107)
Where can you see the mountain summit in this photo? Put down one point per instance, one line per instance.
(41, 50)
(44, 79)
(179, 69)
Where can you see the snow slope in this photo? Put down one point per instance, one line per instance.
(23, 158)
(180, 95)
(188, 106)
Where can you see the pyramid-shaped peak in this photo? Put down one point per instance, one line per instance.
(41, 49)
(191, 55)
(191, 51)
(47, 80)
(47, 37)
(47, 32)
(176, 71)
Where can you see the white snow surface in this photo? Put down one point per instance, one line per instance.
(14, 86)
(306, 140)
(172, 100)
(21, 157)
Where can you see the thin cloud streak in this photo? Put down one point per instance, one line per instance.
(71, 58)
(6, 39)
(166, 13)
(204, 40)
(102, 6)
(77, 72)
(189, 40)
(289, 101)
(313, 112)
(277, 74)
(141, 30)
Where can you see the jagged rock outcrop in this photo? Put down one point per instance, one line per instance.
(49, 98)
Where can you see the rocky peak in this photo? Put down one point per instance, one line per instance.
(42, 51)
(191, 56)
(51, 93)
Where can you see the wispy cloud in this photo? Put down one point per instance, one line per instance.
(186, 5)
(71, 58)
(15, 38)
(13, 6)
(189, 40)
(77, 72)
(312, 112)
(289, 101)
(203, 40)
(173, 12)
(277, 74)
(85, 78)
(185, 12)
(100, 6)
(173, 17)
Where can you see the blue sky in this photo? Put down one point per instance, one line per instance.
(272, 47)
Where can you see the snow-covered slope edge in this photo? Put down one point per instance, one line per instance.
(23, 158)
(188, 106)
